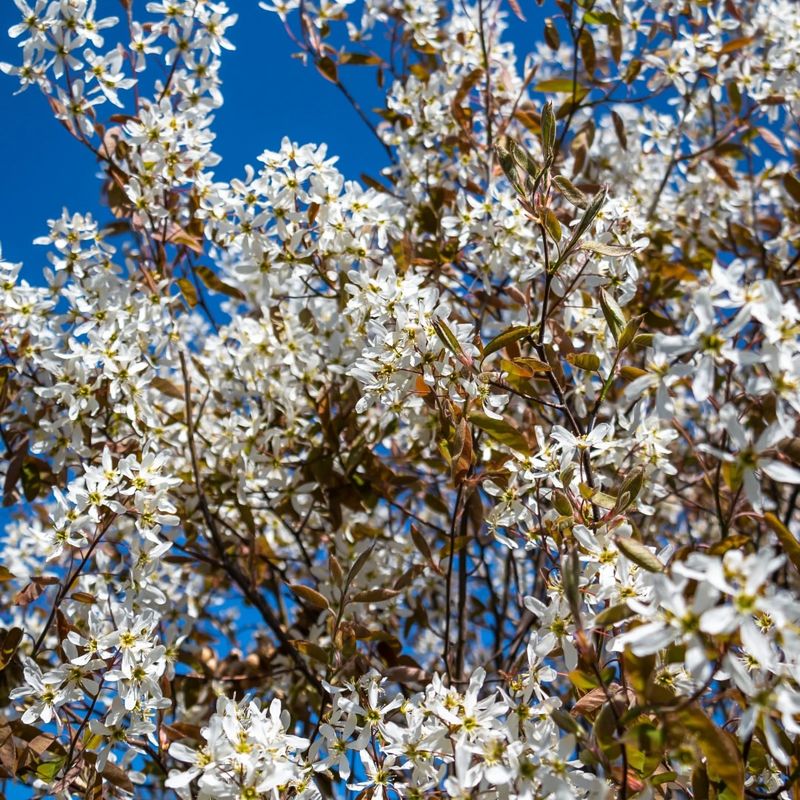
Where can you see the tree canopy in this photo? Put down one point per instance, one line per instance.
(474, 477)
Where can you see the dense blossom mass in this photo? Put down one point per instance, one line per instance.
(474, 478)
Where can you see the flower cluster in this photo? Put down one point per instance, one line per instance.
(475, 478)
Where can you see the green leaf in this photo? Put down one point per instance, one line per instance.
(11, 640)
(562, 86)
(639, 554)
(588, 361)
(562, 504)
(551, 224)
(508, 336)
(501, 431)
(612, 615)
(509, 166)
(167, 387)
(515, 368)
(420, 543)
(533, 364)
(588, 52)
(663, 777)
(619, 129)
(188, 291)
(724, 761)
(600, 18)
(359, 564)
(216, 284)
(312, 597)
(639, 671)
(792, 186)
(360, 59)
(551, 37)
(615, 318)
(523, 159)
(603, 249)
(586, 220)
(575, 196)
(34, 477)
(789, 544)
(47, 770)
(629, 331)
(605, 726)
(565, 721)
(589, 215)
(548, 136)
(448, 337)
(630, 489)
(311, 650)
(604, 500)
(374, 596)
(570, 580)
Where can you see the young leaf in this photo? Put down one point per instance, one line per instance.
(551, 224)
(328, 69)
(374, 595)
(612, 615)
(588, 361)
(33, 590)
(507, 337)
(9, 645)
(8, 750)
(723, 757)
(615, 42)
(47, 770)
(548, 137)
(586, 220)
(188, 291)
(501, 431)
(461, 460)
(167, 387)
(631, 487)
(562, 86)
(551, 37)
(619, 129)
(447, 337)
(588, 53)
(789, 544)
(575, 196)
(792, 186)
(312, 597)
(639, 554)
(420, 543)
(603, 249)
(311, 650)
(533, 364)
(359, 564)
(629, 331)
(591, 212)
(615, 318)
(216, 284)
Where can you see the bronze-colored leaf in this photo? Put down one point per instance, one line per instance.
(311, 596)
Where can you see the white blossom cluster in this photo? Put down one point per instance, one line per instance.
(499, 449)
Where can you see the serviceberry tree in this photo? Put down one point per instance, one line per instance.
(475, 478)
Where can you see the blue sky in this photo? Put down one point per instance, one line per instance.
(268, 94)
